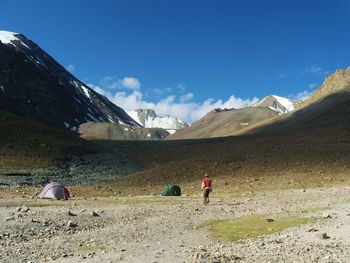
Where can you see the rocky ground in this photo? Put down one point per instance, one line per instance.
(88, 169)
(166, 229)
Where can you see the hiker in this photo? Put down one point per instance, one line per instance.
(206, 188)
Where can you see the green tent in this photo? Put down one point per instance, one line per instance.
(171, 190)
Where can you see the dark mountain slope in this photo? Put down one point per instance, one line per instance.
(34, 85)
(328, 106)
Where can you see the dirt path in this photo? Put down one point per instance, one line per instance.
(155, 229)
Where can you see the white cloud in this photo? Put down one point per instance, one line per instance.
(303, 95)
(312, 85)
(282, 76)
(70, 67)
(186, 97)
(188, 111)
(98, 89)
(181, 86)
(182, 107)
(111, 82)
(130, 83)
(315, 70)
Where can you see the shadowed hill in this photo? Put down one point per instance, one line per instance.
(333, 110)
(26, 144)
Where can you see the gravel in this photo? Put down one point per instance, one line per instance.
(149, 230)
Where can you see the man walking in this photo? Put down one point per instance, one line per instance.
(206, 188)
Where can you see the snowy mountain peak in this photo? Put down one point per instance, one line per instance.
(149, 119)
(277, 103)
(7, 37)
(34, 85)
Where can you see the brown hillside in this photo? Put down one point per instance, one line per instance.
(220, 123)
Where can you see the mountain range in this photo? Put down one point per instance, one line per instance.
(35, 86)
(149, 119)
(228, 122)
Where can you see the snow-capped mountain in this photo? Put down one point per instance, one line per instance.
(34, 85)
(277, 103)
(149, 119)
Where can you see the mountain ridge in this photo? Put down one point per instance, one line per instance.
(149, 119)
(36, 86)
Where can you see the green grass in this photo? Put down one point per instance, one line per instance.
(312, 209)
(90, 248)
(91, 202)
(254, 226)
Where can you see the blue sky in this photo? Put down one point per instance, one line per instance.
(186, 57)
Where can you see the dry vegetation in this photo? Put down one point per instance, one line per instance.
(245, 164)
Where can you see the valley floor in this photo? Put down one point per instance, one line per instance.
(169, 229)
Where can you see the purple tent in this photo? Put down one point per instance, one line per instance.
(54, 190)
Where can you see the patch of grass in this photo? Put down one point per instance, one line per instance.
(91, 202)
(90, 248)
(312, 209)
(254, 226)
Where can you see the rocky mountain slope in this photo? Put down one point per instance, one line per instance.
(113, 131)
(277, 103)
(34, 85)
(225, 122)
(328, 106)
(149, 119)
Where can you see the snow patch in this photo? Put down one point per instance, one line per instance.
(126, 129)
(66, 124)
(7, 37)
(148, 135)
(110, 119)
(154, 121)
(285, 102)
(2, 88)
(24, 44)
(135, 116)
(86, 91)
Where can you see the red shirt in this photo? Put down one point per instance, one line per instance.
(207, 182)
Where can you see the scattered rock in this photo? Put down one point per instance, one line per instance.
(326, 215)
(270, 220)
(23, 209)
(94, 213)
(71, 213)
(322, 236)
(71, 224)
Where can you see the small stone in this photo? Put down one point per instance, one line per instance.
(322, 236)
(71, 224)
(326, 215)
(94, 213)
(269, 220)
(71, 213)
(24, 209)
